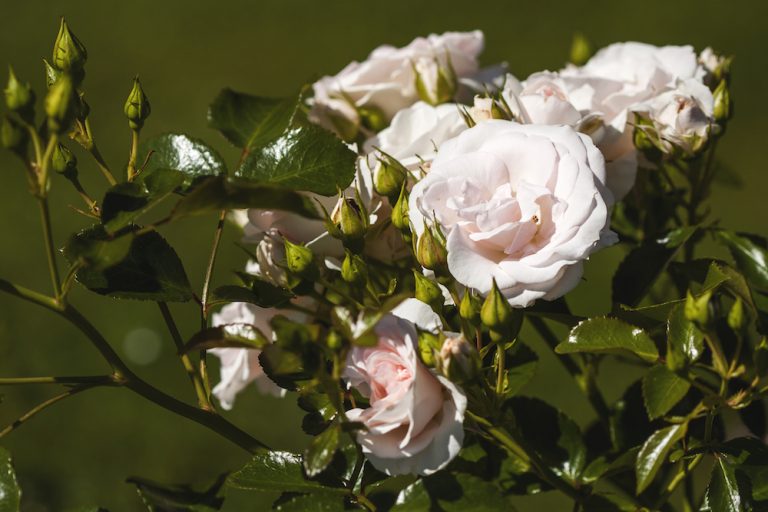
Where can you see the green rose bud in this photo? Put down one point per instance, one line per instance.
(736, 316)
(64, 162)
(581, 50)
(722, 97)
(353, 269)
(429, 346)
(372, 118)
(435, 82)
(20, 97)
(697, 309)
(428, 292)
(498, 316)
(69, 54)
(299, 259)
(469, 309)
(137, 106)
(389, 177)
(399, 216)
(349, 219)
(51, 74)
(459, 360)
(431, 252)
(61, 105)
(13, 136)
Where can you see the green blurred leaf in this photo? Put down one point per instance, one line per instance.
(653, 454)
(304, 158)
(685, 342)
(10, 494)
(164, 498)
(452, 492)
(220, 193)
(277, 471)
(250, 121)
(150, 271)
(321, 449)
(227, 336)
(191, 157)
(750, 258)
(311, 503)
(662, 389)
(723, 491)
(603, 334)
(126, 202)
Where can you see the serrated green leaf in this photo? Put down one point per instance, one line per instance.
(250, 121)
(150, 271)
(277, 471)
(685, 342)
(10, 493)
(452, 492)
(602, 334)
(723, 491)
(96, 250)
(190, 156)
(262, 294)
(305, 158)
(662, 389)
(653, 454)
(220, 193)
(750, 258)
(311, 503)
(321, 450)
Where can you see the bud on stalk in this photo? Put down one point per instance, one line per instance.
(469, 309)
(299, 259)
(69, 54)
(13, 136)
(722, 97)
(459, 360)
(431, 252)
(390, 176)
(61, 105)
(581, 50)
(399, 215)
(353, 269)
(499, 317)
(64, 162)
(428, 292)
(137, 106)
(20, 97)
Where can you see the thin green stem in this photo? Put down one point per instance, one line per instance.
(189, 367)
(38, 148)
(500, 368)
(133, 155)
(45, 165)
(42, 406)
(88, 379)
(211, 264)
(50, 249)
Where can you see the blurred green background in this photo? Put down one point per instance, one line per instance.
(80, 451)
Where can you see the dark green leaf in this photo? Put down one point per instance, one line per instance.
(662, 389)
(160, 498)
(311, 503)
(653, 454)
(250, 121)
(320, 412)
(192, 157)
(10, 494)
(723, 492)
(685, 342)
(126, 202)
(277, 471)
(522, 364)
(150, 271)
(320, 451)
(611, 335)
(304, 158)
(216, 194)
(449, 492)
(750, 258)
(227, 336)
(262, 294)
(94, 249)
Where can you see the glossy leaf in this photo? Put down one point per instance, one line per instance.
(262, 294)
(304, 158)
(602, 334)
(449, 492)
(653, 454)
(227, 336)
(10, 494)
(126, 202)
(723, 491)
(311, 503)
(216, 194)
(159, 497)
(250, 121)
(662, 390)
(750, 258)
(191, 157)
(150, 271)
(685, 342)
(94, 249)
(277, 471)
(321, 449)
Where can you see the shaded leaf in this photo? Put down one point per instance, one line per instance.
(227, 336)
(662, 389)
(191, 157)
(522, 364)
(685, 342)
(723, 491)
(449, 492)
(750, 258)
(653, 454)
(602, 334)
(321, 449)
(262, 294)
(162, 498)
(94, 249)
(311, 503)
(250, 121)
(10, 494)
(277, 471)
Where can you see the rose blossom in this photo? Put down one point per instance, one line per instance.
(386, 80)
(524, 204)
(240, 366)
(414, 423)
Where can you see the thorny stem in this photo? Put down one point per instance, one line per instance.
(189, 367)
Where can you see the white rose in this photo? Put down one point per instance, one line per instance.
(414, 422)
(386, 80)
(524, 204)
(240, 366)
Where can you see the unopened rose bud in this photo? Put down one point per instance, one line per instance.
(13, 136)
(435, 82)
(64, 162)
(645, 139)
(299, 259)
(697, 309)
(431, 252)
(722, 97)
(334, 341)
(137, 106)
(428, 292)
(459, 360)
(469, 309)
(581, 50)
(389, 176)
(399, 215)
(372, 118)
(429, 346)
(19, 97)
(69, 54)
(349, 219)
(353, 269)
(51, 74)
(61, 105)
(498, 316)
(736, 316)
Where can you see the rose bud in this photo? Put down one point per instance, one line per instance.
(400, 212)
(51, 74)
(430, 251)
(469, 309)
(581, 50)
(458, 360)
(137, 106)
(389, 175)
(353, 269)
(722, 99)
(69, 54)
(697, 309)
(299, 258)
(498, 316)
(372, 118)
(64, 162)
(19, 97)
(435, 80)
(428, 292)
(13, 136)
(61, 105)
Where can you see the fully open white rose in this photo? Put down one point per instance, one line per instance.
(414, 423)
(522, 204)
(240, 366)
(386, 79)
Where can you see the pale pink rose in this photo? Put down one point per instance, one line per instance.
(386, 79)
(524, 204)
(414, 423)
(240, 366)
